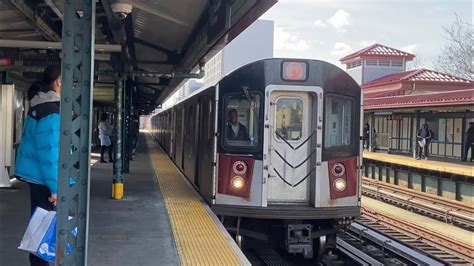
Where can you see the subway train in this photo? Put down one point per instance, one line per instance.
(274, 149)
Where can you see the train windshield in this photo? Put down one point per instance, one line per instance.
(338, 123)
(242, 126)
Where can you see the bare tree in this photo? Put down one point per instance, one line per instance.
(456, 55)
(418, 62)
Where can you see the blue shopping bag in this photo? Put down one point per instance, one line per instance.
(40, 235)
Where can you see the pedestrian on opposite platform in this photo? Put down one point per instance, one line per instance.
(105, 131)
(468, 142)
(366, 136)
(38, 152)
(423, 137)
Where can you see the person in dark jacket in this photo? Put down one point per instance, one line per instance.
(423, 137)
(38, 152)
(366, 135)
(469, 142)
(234, 129)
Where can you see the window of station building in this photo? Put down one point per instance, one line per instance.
(384, 62)
(288, 118)
(338, 122)
(242, 113)
(355, 64)
(397, 63)
(371, 62)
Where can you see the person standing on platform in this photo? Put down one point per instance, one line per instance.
(38, 152)
(423, 138)
(366, 136)
(105, 130)
(469, 142)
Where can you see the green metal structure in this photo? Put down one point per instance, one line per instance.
(76, 113)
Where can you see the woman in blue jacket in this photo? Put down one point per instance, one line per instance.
(38, 153)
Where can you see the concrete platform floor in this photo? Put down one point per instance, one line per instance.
(133, 231)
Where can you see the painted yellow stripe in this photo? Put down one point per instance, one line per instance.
(458, 169)
(198, 239)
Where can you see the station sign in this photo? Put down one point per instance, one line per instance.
(219, 20)
(394, 117)
(5, 61)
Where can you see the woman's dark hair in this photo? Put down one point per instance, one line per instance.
(34, 89)
(50, 74)
(104, 117)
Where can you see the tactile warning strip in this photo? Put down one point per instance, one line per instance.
(198, 239)
(452, 168)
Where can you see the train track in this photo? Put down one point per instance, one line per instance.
(438, 247)
(449, 211)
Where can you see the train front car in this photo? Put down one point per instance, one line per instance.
(287, 153)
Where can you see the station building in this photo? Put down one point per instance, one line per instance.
(396, 103)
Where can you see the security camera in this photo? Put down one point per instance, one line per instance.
(121, 8)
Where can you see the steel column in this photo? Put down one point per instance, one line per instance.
(74, 152)
(414, 132)
(126, 126)
(371, 133)
(117, 186)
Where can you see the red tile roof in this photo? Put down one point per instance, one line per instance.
(378, 50)
(450, 98)
(423, 75)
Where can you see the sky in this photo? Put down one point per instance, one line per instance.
(331, 29)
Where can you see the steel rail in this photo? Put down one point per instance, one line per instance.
(434, 206)
(445, 243)
(422, 195)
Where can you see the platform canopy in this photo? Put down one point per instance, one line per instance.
(163, 41)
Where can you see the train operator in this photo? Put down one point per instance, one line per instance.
(234, 129)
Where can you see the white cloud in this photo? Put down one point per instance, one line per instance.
(340, 19)
(320, 24)
(285, 40)
(366, 43)
(341, 49)
(411, 48)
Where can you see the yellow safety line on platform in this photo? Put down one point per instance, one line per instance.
(428, 165)
(197, 237)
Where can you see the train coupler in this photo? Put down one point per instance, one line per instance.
(299, 240)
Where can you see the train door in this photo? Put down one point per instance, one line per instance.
(7, 115)
(291, 145)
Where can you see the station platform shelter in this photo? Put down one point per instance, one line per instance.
(122, 59)
(397, 102)
(160, 221)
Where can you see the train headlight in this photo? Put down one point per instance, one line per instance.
(237, 182)
(339, 184)
(338, 169)
(239, 167)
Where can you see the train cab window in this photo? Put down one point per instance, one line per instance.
(242, 125)
(288, 118)
(338, 122)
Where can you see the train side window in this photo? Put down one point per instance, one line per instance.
(242, 113)
(288, 118)
(338, 122)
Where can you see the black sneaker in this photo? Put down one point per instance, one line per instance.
(103, 161)
(111, 161)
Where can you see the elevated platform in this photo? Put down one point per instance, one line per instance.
(200, 237)
(150, 226)
(433, 164)
(134, 231)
